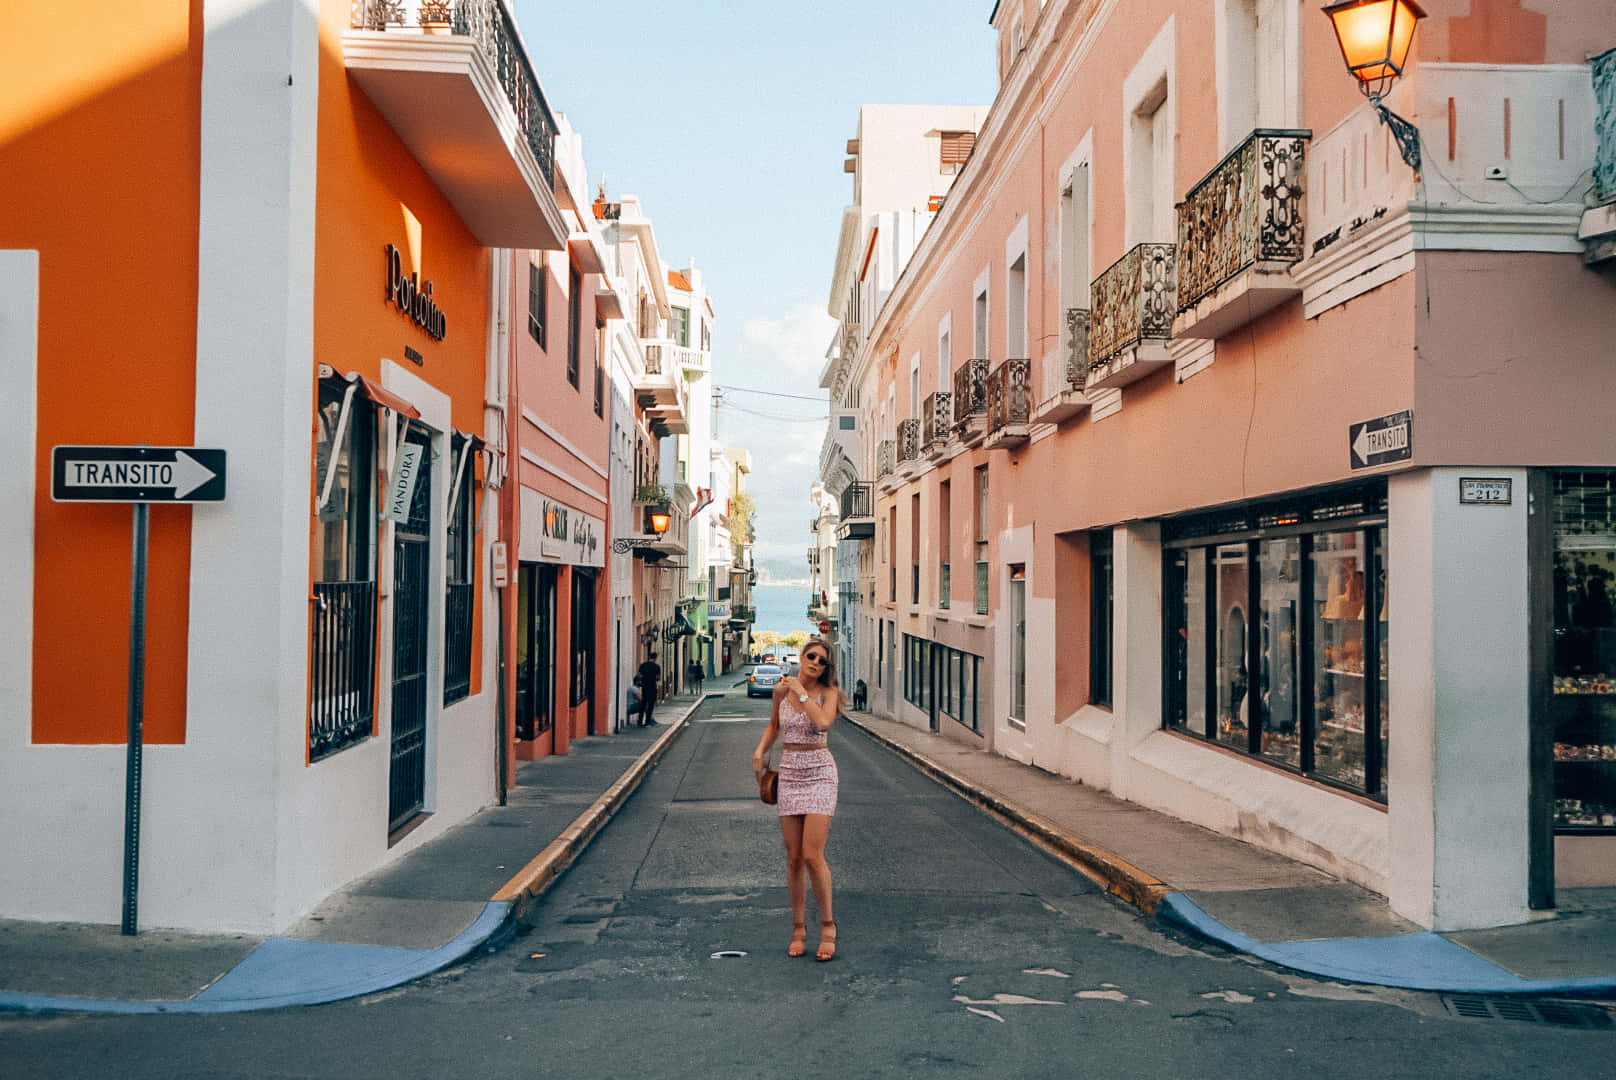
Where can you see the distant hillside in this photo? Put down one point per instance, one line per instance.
(772, 570)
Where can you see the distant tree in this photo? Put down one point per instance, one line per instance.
(797, 638)
(765, 641)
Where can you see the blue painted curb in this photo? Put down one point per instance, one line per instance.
(1423, 961)
(282, 972)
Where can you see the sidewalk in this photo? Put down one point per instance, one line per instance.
(1266, 905)
(417, 914)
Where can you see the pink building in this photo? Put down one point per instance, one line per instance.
(1271, 482)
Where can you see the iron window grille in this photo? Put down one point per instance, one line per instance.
(342, 662)
(459, 590)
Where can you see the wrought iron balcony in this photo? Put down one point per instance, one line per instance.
(937, 415)
(857, 511)
(1239, 232)
(885, 452)
(454, 80)
(1131, 316)
(971, 400)
(1009, 403)
(1063, 395)
(908, 442)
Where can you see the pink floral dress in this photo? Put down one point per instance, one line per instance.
(807, 777)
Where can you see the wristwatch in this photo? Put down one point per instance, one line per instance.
(802, 698)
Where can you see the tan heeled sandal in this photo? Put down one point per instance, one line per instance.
(827, 942)
(799, 939)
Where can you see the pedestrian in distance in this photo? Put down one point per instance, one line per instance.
(650, 679)
(694, 673)
(804, 707)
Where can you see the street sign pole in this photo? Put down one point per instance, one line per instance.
(137, 706)
(140, 475)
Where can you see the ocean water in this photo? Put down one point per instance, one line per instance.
(781, 608)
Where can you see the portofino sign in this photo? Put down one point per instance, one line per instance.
(413, 298)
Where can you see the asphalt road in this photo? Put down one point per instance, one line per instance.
(964, 951)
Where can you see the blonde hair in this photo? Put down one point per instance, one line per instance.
(828, 679)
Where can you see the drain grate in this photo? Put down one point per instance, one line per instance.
(1559, 1013)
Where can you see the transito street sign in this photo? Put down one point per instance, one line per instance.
(136, 474)
(1382, 440)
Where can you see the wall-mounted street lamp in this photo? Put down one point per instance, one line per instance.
(1374, 36)
(660, 517)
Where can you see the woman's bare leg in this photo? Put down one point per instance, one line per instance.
(791, 830)
(815, 831)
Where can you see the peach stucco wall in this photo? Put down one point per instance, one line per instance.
(108, 194)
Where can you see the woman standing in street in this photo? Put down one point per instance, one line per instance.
(803, 710)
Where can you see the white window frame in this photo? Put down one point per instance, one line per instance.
(981, 318)
(1076, 262)
(1017, 282)
(1149, 117)
(1258, 48)
(914, 385)
(945, 350)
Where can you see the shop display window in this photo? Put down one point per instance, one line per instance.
(1274, 628)
(1584, 698)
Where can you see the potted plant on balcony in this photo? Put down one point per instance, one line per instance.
(652, 493)
(436, 16)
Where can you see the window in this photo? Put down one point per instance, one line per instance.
(1074, 251)
(943, 681)
(914, 385)
(343, 635)
(914, 546)
(846, 423)
(944, 524)
(1275, 636)
(461, 571)
(981, 531)
(575, 290)
(956, 150)
(679, 326)
(979, 324)
(1150, 181)
(537, 303)
(583, 636)
(1015, 320)
(1583, 704)
(1252, 69)
(706, 336)
(1018, 645)
(945, 357)
(1101, 614)
(600, 368)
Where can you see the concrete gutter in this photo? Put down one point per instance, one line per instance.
(532, 880)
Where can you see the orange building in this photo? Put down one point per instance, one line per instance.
(284, 231)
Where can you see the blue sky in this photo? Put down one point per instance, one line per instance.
(729, 122)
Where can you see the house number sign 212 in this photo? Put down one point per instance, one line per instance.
(1484, 490)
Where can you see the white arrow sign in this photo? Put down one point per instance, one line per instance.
(184, 474)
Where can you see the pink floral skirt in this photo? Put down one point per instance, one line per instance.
(807, 783)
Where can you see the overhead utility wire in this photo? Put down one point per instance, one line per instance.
(771, 393)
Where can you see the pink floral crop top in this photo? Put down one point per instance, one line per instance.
(796, 726)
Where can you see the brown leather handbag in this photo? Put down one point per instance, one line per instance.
(769, 786)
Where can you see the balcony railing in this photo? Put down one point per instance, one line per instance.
(1131, 303)
(653, 359)
(885, 452)
(970, 395)
(937, 414)
(858, 500)
(1246, 211)
(457, 610)
(908, 440)
(489, 24)
(342, 690)
(1009, 401)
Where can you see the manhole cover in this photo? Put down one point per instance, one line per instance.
(1531, 1011)
(729, 954)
